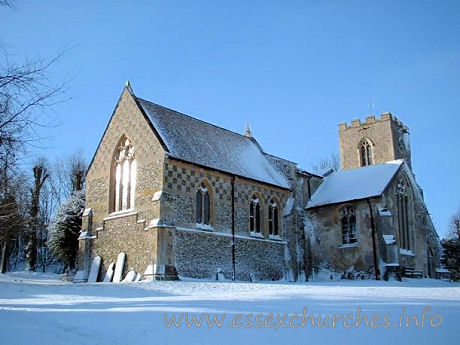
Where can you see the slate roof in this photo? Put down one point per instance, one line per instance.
(355, 184)
(195, 141)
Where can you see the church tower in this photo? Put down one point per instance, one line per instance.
(377, 140)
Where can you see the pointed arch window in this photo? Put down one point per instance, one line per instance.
(273, 229)
(348, 225)
(203, 205)
(254, 215)
(124, 172)
(365, 151)
(403, 204)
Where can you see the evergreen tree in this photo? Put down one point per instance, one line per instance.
(65, 229)
(451, 256)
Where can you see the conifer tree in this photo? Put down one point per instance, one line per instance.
(65, 229)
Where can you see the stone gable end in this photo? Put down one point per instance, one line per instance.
(125, 233)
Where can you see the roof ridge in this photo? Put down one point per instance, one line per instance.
(395, 162)
(194, 118)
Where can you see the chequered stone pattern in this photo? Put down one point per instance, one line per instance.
(182, 180)
(186, 180)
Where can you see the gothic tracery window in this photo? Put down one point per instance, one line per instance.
(124, 171)
(273, 218)
(203, 205)
(365, 151)
(403, 215)
(348, 225)
(254, 215)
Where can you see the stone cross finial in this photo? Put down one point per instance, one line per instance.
(248, 133)
(128, 86)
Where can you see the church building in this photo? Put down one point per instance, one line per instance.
(185, 198)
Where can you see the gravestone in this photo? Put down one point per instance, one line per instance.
(119, 267)
(130, 277)
(109, 274)
(94, 271)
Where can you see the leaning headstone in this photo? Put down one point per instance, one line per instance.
(119, 267)
(130, 277)
(109, 274)
(80, 277)
(94, 271)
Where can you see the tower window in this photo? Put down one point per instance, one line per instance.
(273, 218)
(348, 225)
(124, 171)
(203, 205)
(254, 215)
(365, 151)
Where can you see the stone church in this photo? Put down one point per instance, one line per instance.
(187, 198)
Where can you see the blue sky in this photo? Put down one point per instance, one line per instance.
(293, 69)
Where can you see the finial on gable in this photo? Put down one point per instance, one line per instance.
(128, 86)
(248, 133)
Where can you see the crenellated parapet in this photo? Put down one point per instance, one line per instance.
(372, 119)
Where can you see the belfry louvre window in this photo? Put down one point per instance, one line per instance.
(203, 205)
(273, 218)
(366, 153)
(124, 171)
(348, 225)
(403, 215)
(254, 215)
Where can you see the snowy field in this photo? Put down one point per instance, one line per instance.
(40, 309)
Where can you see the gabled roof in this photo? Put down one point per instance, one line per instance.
(355, 184)
(204, 144)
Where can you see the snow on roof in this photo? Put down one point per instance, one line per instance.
(354, 184)
(202, 143)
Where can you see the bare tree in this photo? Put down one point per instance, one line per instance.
(68, 176)
(11, 224)
(12, 215)
(331, 162)
(9, 3)
(40, 176)
(454, 226)
(25, 91)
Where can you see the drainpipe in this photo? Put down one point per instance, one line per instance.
(233, 228)
(374, 249)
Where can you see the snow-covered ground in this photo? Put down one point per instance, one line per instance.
(40, 309)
